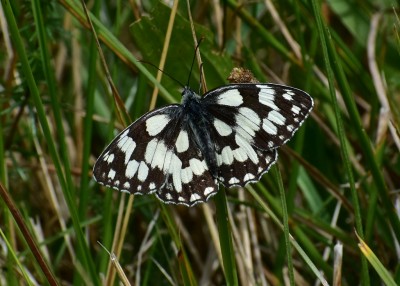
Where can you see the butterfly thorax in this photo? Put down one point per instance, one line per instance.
(197, 119)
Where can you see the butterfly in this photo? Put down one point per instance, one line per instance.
(182, 152)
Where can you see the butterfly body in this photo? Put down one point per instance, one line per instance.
(198, 122)
(181, 152)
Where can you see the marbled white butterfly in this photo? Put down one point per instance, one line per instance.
(181, 152)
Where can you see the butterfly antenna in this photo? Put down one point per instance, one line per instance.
(164, 72)
(194, 57)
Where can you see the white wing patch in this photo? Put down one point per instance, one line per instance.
(247, 148)
(176, 164)
(157, 123)
(231, 97)
(198, 167)
(187, 175)
(276, 117)
(111, 174)
(247, 123)
(159, 155)
(295, 109)
(266, 96)
(208, 191)
(222, 128)
(288, 95)
(127, 146)
(143, 171)
(226, 156)
(131, 169)
(194, 197)
(109, 158)
(182, 142)
(269, 127)
(248, 177)
(150, 150)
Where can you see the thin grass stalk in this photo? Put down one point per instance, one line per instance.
(345, 155)
(120, 235)
(264, 33)
(26, 69)
(15, 259)
(300, 135)
(122, 114)
(85, 191)
(294, 172)
(50, 190)
(110, 274)
(5, 212)
(184, 263)
(117, 266)
(54, 98)
(5, 195)
(303, 239)
(285, 219)
(108, 227)
(365, 143)
(329, 55)
(115, 45)
(225, 238)
(164, 53)
(3, 168)
(51, 82)
(385, 275)
(296, 245)
(124, 118)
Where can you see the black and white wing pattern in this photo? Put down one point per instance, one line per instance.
(181, 152)
(250, 122)
(157, 154)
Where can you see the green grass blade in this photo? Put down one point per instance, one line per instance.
(364, 140)
(85, 191)
(15, 258)
(329, 54)
(113, 43)
(185, 266)
(303, 254)
(376, 263)
(225, 238)
(263, 33)
(46, 131)
(285, 218)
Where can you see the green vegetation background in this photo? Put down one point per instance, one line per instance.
(328, 211)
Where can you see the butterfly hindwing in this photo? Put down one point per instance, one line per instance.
(189, 181)
(134, 160)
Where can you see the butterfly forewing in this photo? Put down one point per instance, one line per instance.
(265, 114)
(248, 123)
(157, 154)
(181, 152)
